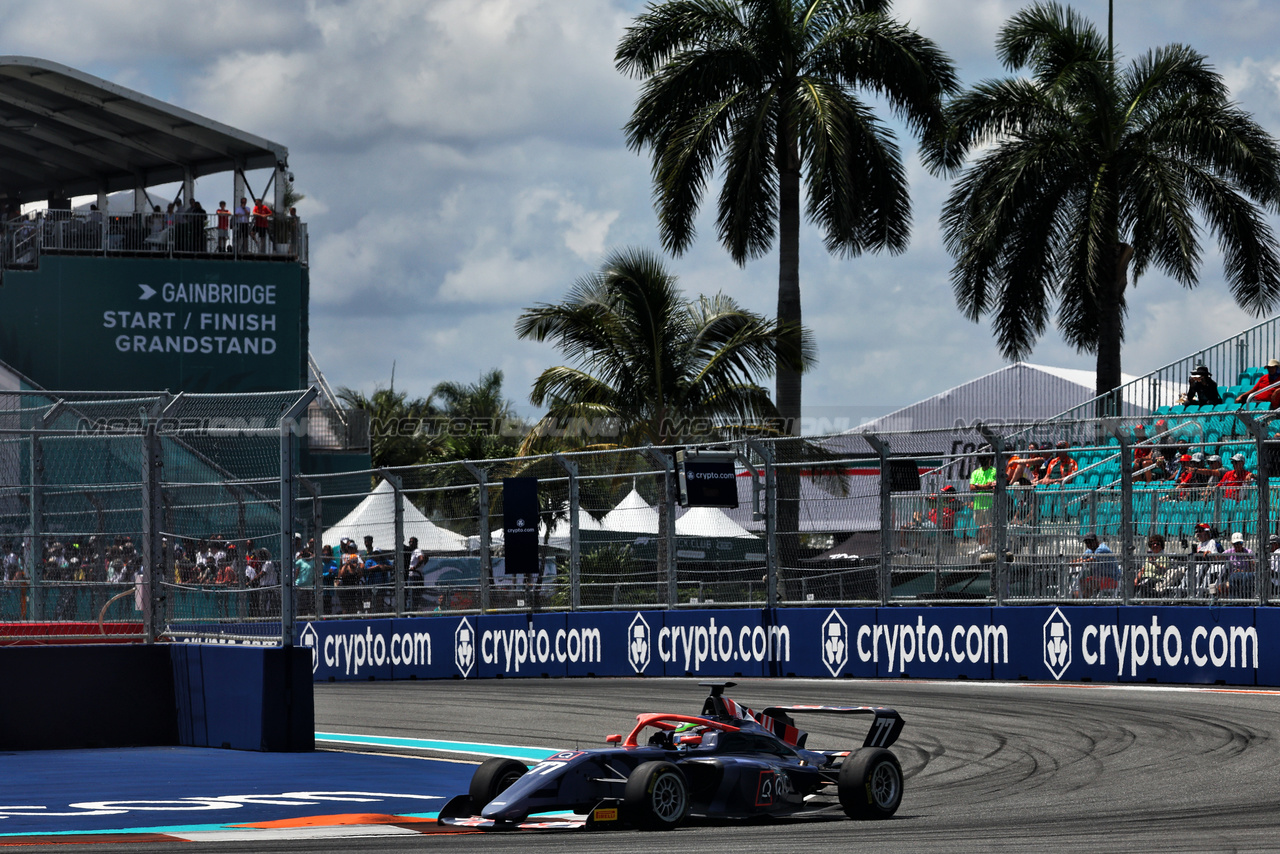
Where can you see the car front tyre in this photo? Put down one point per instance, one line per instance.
(494, 776)
(656, 796)
(870, 784)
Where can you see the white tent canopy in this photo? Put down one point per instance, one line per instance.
(710, 522)
(375, 516)
(633, 515)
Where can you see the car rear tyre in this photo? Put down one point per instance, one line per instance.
(870, 784)
(656, 796)
(493, 776)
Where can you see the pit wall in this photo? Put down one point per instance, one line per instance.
(116, 695)
(1232, 645)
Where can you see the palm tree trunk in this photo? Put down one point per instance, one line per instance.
(1111, 331)
(788, 396)
(788, 379)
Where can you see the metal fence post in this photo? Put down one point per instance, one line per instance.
(667, 520)
(575, 550)
(884, 578)
(770, 516)
(482, 511)
(288, 475)
(35, 552)
(152, 549)
(1259, 433)
(1127, 572)
(317, 525)
(397, 491)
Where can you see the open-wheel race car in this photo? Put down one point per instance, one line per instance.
(729, 762)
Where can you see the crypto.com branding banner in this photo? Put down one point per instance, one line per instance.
(1235, 646)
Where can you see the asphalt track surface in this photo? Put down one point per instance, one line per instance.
(989, 766)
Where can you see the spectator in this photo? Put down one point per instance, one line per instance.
(1273, 544)
(1234, 478)
(1267, 388)
(304, 580)
(1099, 573)
(1209, 563)
(1156, 469)
(1142, 449)
(1190, 477)
(1061, 468)
(1202, 389)
(350, 574)
(1213, 471)
(1238, 583)
(1154, 579)
(262, 225)
(945, 506)
(983, 483)
(223, 214)
(242, 225)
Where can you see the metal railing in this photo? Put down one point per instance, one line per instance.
(155, 234)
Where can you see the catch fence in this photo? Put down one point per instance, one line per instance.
(187, 517)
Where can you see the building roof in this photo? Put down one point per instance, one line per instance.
(65, 133)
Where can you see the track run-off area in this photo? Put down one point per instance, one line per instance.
(988, 766)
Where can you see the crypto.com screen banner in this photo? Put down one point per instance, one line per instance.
(1234, 646)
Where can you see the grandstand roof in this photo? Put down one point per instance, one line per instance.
(65, 133)
(1017, 393)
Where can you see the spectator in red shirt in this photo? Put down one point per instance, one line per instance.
(224, 226)
(262, 224)
(1261, 391)
(1233, 479)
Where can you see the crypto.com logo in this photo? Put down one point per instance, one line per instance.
(464, 647)
(638, 644)
(835, 643)
(1057, 644)
(309, 638)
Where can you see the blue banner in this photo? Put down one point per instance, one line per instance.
(1233, 646)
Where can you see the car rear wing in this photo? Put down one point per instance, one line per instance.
(886, 724)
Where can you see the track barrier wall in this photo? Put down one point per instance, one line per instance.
(93, 696)
(1231, 646)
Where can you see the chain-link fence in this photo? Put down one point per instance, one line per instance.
(185, 516)
(145, 516)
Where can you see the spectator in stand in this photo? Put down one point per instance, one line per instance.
(350, 574)
(242, 225)
(1267, 388)
(945, 506)
(1273, 544)
(329, 566)
(1061, 468)
(262, 225)
(1142, 448)
(1190, 476)
(1151, 580)
(1099, 573)
(304, 580)
(1213, 471)
(1234, 478)
(983, 484)
(1159, 469)
(1202, 389)
(223, 214)
(1209, 563)
(1239, 579)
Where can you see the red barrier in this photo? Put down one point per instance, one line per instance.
(42, 634)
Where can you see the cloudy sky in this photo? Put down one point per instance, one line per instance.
(463, 159)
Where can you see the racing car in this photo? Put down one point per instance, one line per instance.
(729, 762)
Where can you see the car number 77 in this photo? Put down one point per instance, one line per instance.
(880, 729)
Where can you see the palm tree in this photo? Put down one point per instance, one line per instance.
(766, 91)
(1088, 168)
(481, 423)
(651, 366)
(396, 420)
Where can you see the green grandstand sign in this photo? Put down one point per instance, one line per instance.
(132, 324)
